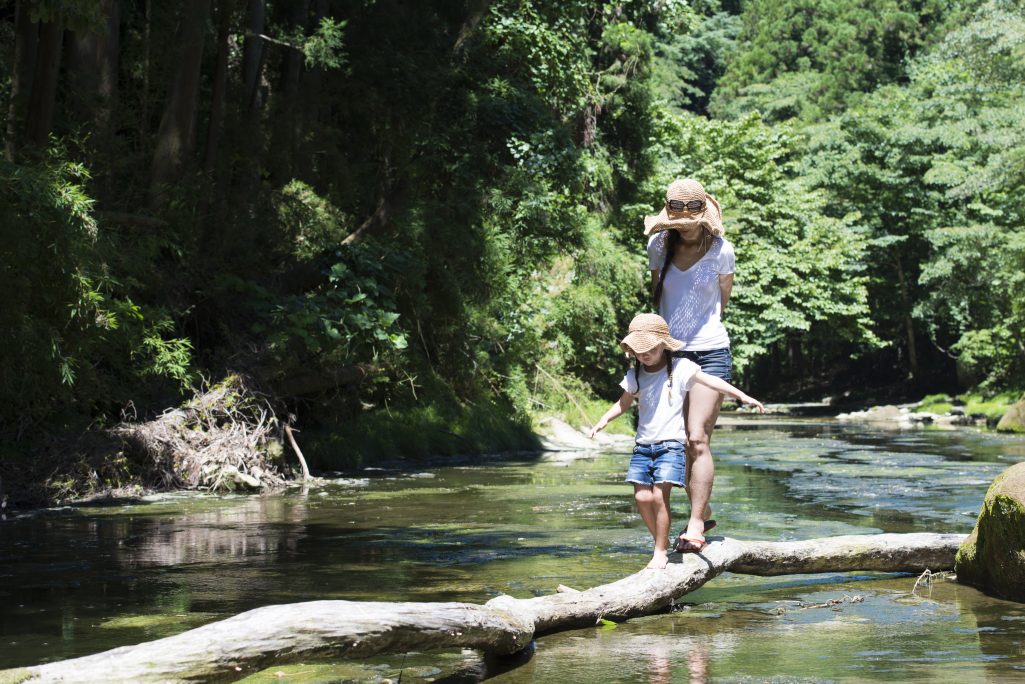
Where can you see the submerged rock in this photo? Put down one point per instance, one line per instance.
(1014, 419)
(992, 558)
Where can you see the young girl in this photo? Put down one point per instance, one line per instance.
(659, 382)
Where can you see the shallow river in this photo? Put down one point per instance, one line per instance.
(78, 581)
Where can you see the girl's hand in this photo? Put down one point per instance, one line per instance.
(598, 427)
(754, 402)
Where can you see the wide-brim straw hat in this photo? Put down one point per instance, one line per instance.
(709, 217)
(646, 332)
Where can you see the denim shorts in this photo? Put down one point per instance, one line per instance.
(656, 463)
(717, 362)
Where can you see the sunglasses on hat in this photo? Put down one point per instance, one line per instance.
(681, 205)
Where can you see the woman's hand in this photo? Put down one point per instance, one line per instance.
(598, 427)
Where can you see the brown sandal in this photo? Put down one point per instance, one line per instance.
(688, 545)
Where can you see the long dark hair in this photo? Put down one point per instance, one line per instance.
(672, 239)
(668, 355)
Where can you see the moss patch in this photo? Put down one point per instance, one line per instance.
(1013, 419)
(992, 558)
(935, 403)
(161, 621)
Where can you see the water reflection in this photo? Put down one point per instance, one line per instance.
(256, 530)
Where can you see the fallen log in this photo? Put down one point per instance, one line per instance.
(300, 632)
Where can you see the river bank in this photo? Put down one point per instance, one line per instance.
(105, 465)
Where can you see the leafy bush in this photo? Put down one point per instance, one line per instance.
(72, 339)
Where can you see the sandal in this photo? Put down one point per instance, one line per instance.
(688, 545)
(709, 524)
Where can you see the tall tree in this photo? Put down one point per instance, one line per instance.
(218, 96)
(176, 137)
(26, 38)
(43, 100)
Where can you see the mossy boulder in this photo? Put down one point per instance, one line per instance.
(1014, 419)
(992, 558)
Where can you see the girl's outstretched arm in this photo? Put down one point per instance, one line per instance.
(615, 411)
(720, 385)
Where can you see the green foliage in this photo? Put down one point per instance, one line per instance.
(492, 163)
(689, 63)
(315, 224)
(992, 406)
(437, 427)
(550, 50)
(980, 309)
(166, 356)
(935, 403)
(325, 47)
(349, 316)
(803, 58)
(67, 329)
(946, 253)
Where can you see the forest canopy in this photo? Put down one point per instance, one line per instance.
(451, 193)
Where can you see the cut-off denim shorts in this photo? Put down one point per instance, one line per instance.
(717, 362)
(653, 464)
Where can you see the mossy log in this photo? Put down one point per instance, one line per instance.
(300, 632)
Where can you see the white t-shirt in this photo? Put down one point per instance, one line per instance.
(659, 409)
(691, 300)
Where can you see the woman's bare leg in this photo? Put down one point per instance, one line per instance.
(702, 412)
(707, 513)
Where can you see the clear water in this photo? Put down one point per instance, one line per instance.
(78, 581)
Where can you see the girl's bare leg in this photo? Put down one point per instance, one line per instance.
(663, 520)
(702, 412)
(644, 496)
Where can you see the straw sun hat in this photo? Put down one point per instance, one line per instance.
(646, 331)
(687, 190)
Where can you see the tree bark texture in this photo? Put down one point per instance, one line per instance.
(252, 54)
(239, 646)
(176, 137)
(92, 66)
(220, 86)
(26, 38)
(43, 100)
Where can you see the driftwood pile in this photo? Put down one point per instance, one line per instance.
(227, 438)
(302, 632)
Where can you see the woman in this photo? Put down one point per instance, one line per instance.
(692, 277)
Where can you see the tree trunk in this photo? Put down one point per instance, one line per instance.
(176, 137)
(146, 41)
(252, 55)
(26, 39)
(43, 100)
(219, 94)
(92, 63)
(239, 646)
(286, 121)
(909, 326)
